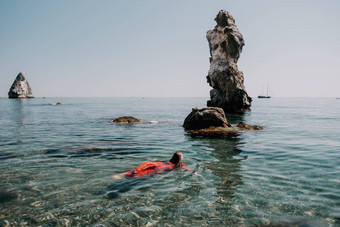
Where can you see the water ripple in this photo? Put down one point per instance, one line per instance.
(56, 165)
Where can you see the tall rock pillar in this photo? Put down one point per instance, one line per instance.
(225, 44)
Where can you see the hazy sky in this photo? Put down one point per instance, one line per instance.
(158, 48)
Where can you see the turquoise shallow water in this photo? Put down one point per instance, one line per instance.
(56, 163)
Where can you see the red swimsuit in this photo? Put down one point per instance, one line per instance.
(148, 168)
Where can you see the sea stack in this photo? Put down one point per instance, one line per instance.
(20, 88)
(225, 44)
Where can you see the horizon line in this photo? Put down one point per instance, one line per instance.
(166, 97)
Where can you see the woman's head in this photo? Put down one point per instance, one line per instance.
(177, 159)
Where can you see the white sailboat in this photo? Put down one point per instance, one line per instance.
(264, 96)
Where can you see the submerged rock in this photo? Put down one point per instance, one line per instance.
(20, 88)
(6, 196)
(126, 120)
(225, 44)
(205, 118)
(214, 132)
(241, 125)
(157, 122)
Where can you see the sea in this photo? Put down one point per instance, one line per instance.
(57, 163)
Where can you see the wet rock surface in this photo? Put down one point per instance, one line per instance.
(225, 44)
(126, 120)
(214, 132)
(211, 122)
(20, 88)
(205, 118)
(243, 126)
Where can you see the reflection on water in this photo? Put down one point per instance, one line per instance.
(223, 161)
(226, 167)
(19, 110)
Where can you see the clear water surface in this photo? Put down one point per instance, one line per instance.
(56, 163)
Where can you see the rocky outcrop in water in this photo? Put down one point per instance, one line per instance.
(225, 44)
(211, 122)
(126, 120)
(20, 88)
(205, 118)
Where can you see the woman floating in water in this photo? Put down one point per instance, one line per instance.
(148, 168)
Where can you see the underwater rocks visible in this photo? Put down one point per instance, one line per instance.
(6, 196)
(214, 132)
(126, 120)
(211, 122)
(225, 44)
(205, 118)
(157, 122)
(241, 125)
(20, 88)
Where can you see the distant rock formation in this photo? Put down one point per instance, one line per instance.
(225, 44)
(126, 120)
(20, 88)
(211, 122)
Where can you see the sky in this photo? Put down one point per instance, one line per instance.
(158, 48)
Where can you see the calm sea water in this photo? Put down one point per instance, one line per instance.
(56, 163)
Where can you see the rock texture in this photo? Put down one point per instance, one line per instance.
(208, 122)
(211, 122)
(126, 120)
(243, 126)
(20, 88)
(205, 118)
(225, 44)
(214, 132)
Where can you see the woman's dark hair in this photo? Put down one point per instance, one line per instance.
(177, 159)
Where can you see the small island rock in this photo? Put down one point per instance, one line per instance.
(210, 122)
(205, 118)
(126, 120)
(225, 44)
(20, 88)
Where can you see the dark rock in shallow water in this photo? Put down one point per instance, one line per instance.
(211, 122)
(126, 120)
(225, 44)
(6, 196)
(214, 132)
(205, 118)
(241, 125)
(20, 88)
